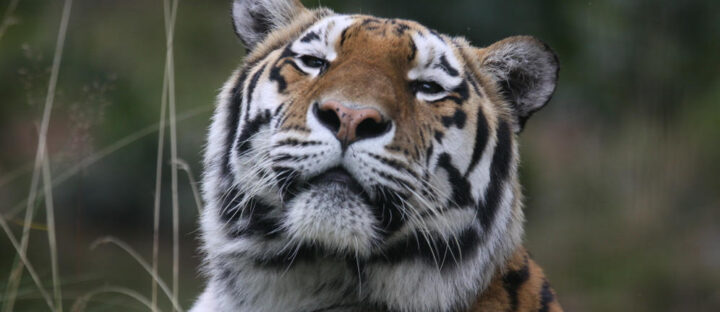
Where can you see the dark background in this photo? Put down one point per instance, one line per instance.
(620, 170)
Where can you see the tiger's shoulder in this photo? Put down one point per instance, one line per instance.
(521, 287)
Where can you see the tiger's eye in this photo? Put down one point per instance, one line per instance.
(427, 87)
(313, 62)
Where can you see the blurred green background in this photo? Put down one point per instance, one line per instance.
(620, 170)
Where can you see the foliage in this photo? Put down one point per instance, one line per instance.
(620, 169)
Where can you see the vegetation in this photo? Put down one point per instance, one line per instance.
(104, 107)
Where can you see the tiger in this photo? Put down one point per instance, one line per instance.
(359, 163)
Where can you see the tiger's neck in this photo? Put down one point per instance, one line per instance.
(334, 285)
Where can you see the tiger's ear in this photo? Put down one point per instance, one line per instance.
(255, 19)
(525, 70)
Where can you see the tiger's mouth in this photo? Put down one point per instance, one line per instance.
(332, 213)
(340, 177)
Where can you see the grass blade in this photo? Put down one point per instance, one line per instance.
(16, 274)
(52, 241)
(26, 263)
(193, 184)
(170, 15)
(158, 184)
(125, 247)
(81, 303)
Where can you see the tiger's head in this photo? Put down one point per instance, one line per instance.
(380, 141)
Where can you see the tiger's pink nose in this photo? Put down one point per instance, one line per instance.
(351, 125)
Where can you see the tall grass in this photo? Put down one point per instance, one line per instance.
(40, 162)
(96, 157)
(135, 255)
(42, 166)
(170, 11)
(52, 241)
(168, 92)
(26, 262)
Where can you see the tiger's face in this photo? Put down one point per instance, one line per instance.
(355, 137)
(354, 130)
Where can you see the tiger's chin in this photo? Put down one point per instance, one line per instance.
(332, 213)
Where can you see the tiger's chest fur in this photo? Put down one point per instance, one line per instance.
(356, 163)
(331, 286)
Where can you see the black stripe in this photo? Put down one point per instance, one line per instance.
(462, 91)
(250, 128)
(278, 109)
(344, 36)
(458, 119)
(460, 186)
(234, 114)
(546, 297)
(290, 157)
(369, 21)
(296, 142)
(498, 175)
(436, 250)
(428, 155)
(294, 65)
(401, 28)
(275, 74)
(481, 138)
(462, 95)
(513, 280)
(230, 210)
(233, 119)
(393, 163)
(310, 37)
(286, 178)
(387, 210)
(413, 51)
(297, 128)
(401, 182)
(251, 89)
(474, 83)
(303, 253)
(260, 221)
(255, 211)
(446, 67)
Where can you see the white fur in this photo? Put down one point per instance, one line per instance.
(341, 221)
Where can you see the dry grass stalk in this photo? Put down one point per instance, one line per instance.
(81, 303)
(193, 184)
(26, 263)
(16, 274)
(158, 186)
(170, 10)
(52, 241)
(145, 265)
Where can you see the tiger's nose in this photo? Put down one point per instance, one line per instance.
(351, 125)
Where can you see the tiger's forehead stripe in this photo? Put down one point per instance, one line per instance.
(433, 58)
(321, 38)
(436, 61)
